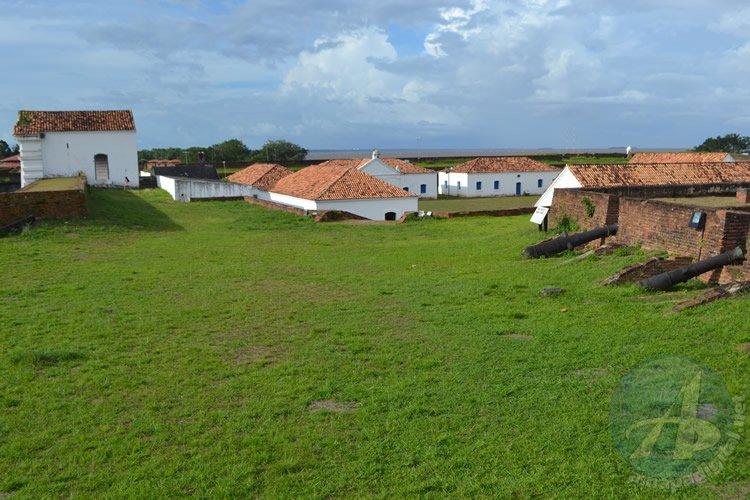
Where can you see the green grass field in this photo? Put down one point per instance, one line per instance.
(477, 204)
(221, 349)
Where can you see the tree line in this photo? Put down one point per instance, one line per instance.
(730, 143)
(231, 151)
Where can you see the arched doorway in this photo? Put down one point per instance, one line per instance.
(390, 216)
(101, 167)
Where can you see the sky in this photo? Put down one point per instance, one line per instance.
(341, 74)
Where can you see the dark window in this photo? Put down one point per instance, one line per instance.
(101, 167)
(406, 189)
(479, 186)
(459, 184)
(423, 188)
(518, 188)
(539, 183)
(390, 216)
(497, 184)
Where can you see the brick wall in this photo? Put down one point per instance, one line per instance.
(41, 204)
(572, 203)
(659, 225)
(743, 196)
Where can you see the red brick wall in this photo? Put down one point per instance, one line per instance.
(570, 203)
(743, 196)
(42, 205)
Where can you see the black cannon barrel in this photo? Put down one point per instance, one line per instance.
(568, 242)
(667, 280)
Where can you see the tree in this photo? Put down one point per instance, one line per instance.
(281, 152)
(730, 143)
(5, 149)
(231, 150)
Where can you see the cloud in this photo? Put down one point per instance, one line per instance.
(336, 73)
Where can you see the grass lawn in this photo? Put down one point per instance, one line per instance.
(455, 204)
(706, 201)
(221, 349)
(56, 184)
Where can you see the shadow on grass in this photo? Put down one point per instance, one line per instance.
(124, 208)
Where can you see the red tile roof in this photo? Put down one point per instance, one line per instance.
(10, 163)
(403, 166)
(336, 180)
(659, 174)
(502, 164)
(37, 122)
(683, 157)
(261, 175)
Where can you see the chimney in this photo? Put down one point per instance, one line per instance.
(375, 154)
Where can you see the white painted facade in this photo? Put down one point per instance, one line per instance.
(186, 190)
(66, 154)
(423, 185)
(485, 185)
(373, 209)
(565, 180)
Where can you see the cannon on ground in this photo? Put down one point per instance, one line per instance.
(667, 280)
(568, 242)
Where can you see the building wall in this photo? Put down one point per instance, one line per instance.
(413, 182)
(42, 204)
(372, 209)
(66, 154)
(186, 190)
(565, 180)
(468, 183)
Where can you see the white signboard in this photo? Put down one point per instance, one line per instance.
(539, 215)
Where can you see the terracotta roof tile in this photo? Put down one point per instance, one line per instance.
(405, 167)
(261, 175)
(336, 180)
(10, 163)
(502, 164)
(683, 157)
(659, 174)
(37, 122)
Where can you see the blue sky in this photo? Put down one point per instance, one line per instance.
(387, 73)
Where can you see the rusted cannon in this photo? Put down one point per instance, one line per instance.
(667, 280)
(568, 242)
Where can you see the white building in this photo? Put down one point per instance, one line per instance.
(400, 173)
(501, 176)
(99, 144)
(329, 187)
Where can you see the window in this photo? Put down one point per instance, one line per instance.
(479, 186)
(390, 216)
(406, 189)
(446, 183)
(423, 188)
(101, 167)
(539, 183)
(459, 184)
(497, 184)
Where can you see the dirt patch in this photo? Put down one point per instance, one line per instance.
(652, 267)
(517, 336)
(329, 405)
(732, 491)
(744, 348)
(256, 354)
(591, 373)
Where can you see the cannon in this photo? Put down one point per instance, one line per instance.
(17, 227)
(667, 280)
(568, 242)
